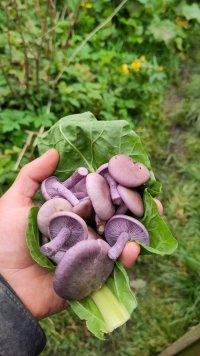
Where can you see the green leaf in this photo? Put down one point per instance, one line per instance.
(86, 309)
(81, 140)
(100, 309)
(33, 241)
(162, 241)
(164, 31)
(190, 12)
(154, 187)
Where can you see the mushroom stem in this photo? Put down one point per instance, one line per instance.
(45, 239)
(52, 247)
(121, 210)
(65, 193)
(116, 199)
(80, 195)
(80, 173)
(58, 256)
(100, 224)
(116, 250)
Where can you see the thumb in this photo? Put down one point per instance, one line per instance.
(32, 174)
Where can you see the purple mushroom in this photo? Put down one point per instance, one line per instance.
(80, 187)
(103, 171)
(44, 239)
(76, 177)
(132, 200)
(49, 208)
(122, 228)
(84, 209)
(84, 269)
(99, 194)
(52, 187)
(126, 172)
(80, 195)
(65, 230)
(122, 209)
(58, 256)
(100, 224)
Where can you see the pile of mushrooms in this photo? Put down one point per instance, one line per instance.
(87, 220)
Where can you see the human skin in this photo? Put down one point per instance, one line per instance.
(32, 283)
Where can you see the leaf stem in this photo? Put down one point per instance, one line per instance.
(113, 312)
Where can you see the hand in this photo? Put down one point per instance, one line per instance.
(32, 283)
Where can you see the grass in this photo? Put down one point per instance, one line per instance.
(167, 288)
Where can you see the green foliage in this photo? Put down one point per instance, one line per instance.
(33, 241)
(161, 238)
(190, 12)
(121, 72)
(82, 140)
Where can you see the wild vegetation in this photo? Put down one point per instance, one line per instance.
(142, 66)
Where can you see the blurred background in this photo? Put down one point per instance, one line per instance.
(137, 60)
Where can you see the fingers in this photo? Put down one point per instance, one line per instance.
(130, 254)
(33, 173)
(159, 206)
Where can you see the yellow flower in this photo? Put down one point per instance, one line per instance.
(142, 59)
(86, 5)
(136, 65)
(125, 69)
(182, 23)
(161, 69)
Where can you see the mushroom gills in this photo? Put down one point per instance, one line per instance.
(121, 229)
(65, 230)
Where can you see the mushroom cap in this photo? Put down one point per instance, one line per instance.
(123, 223)
(46, 187)
(76, 225)
(99, 193)
(126, 172)
(102, 169)
(132, 200)
(50, 207)
(84, 268)
(84, 209)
